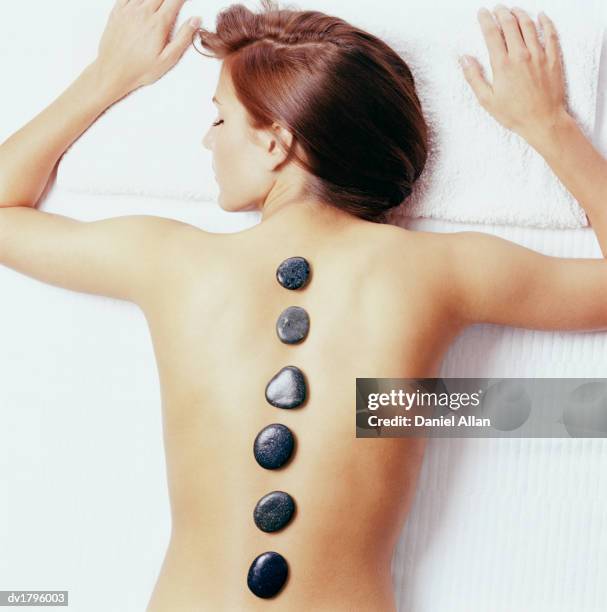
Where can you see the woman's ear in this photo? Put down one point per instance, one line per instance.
(272, 139)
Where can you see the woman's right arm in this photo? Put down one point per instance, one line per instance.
(527, 97)
(493, 280)
(497, 281)
(581, 169)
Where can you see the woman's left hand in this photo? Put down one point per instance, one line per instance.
(134, 50)
(527, 95)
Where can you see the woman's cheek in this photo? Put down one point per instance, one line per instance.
(220, 161)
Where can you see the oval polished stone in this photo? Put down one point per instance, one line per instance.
(273, 511)
(293, 272)
(293, 324)
(267, 574)
(273, 446)
(287, 388)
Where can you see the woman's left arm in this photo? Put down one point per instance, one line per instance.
(498, 281)
(124, 257)
(136, 30)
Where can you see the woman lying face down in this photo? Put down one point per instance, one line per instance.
(320, 128)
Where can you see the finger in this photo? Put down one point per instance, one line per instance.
(529, 32)
(551, 39)
(512, 34)
(493, 38)
(170, 8)
(181, 41)
(153, 5)
(474, 75)
(156, 4)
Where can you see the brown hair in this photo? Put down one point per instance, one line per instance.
(346, 96)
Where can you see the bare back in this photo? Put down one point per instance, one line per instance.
(374, 311)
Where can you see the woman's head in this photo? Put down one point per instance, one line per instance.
(315, 101)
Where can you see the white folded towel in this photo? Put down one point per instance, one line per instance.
(150, 142)
(478, 171)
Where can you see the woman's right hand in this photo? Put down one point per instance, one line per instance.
(527, 95)
(133, 50)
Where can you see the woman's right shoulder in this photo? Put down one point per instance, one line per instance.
(417, 259)
(413, 248)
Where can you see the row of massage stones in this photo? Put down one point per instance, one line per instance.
(274, 444)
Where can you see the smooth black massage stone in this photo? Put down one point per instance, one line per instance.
(293, 324)
(287, 388)
(293, 273)
(273, 446)
(273, 511)
(267, 574)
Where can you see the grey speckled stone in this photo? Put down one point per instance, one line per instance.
(287, 388)
(267, 574)
(273, 446)
(293, 324)
(293, 272)
(273, 511)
